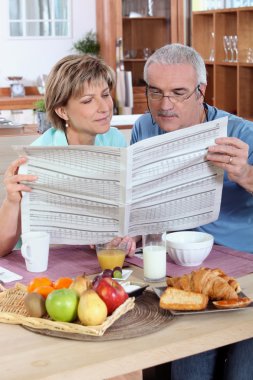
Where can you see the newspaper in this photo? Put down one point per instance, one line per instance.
(90, 194)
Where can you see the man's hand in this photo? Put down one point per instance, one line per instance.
(231, 154)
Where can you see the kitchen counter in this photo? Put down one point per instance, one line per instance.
(18, 103)
(26, 129)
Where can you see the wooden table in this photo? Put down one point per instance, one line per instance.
(26, 355)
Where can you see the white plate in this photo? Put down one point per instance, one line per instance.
(209, 309)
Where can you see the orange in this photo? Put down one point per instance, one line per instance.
(37, 282)
(63, 282)
(44, 290)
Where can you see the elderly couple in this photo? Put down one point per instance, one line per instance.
(79, 106)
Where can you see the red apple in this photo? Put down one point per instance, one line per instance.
(111, 292)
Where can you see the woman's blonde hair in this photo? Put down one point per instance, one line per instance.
(67, 78)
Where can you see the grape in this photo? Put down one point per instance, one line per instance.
(107, 273)
(118, 268)
(95, 281)
(117, 272)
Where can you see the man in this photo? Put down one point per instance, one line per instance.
(176, 83)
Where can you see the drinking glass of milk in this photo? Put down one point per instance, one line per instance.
(154, 257)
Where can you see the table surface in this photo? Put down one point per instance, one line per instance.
(26, 355)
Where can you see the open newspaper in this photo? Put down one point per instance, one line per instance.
(90, 194)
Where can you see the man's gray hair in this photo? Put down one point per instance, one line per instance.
(176, 53)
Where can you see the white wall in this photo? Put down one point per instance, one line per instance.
(30, 58)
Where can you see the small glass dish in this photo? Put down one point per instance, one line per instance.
(134, 289)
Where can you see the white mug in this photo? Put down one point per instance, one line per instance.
(35, 250)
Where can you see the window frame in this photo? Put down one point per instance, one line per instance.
(24, 21)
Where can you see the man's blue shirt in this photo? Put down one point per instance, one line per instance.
(234, 227)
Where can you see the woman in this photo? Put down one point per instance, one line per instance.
(80, 107)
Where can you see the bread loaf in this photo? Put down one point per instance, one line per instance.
(177, 299)
(211, 282)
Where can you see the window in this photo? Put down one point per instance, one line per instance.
(39, 18)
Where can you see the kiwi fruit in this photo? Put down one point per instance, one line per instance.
(35, 305)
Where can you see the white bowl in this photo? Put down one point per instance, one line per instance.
(189, 248)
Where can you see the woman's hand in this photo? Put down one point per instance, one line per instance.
(231, 154)
(128, 241)
(12, 181)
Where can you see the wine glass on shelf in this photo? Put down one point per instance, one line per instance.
(146, 53)
(249, 57)
(225, 46)
(150, 7)
(231, 38)
(235, 46)
(212, 52)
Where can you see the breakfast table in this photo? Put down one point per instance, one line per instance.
(29, 355)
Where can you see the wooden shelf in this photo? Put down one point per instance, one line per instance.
(138, 33)
(134, 60)
(245, 64)
(229, 83)
(228, 64)
(144, 18)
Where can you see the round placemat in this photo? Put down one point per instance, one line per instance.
(146, 317)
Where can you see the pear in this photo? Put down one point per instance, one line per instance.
(80, 284)
(92, 310)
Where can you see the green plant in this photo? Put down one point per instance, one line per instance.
(88, 44)
(39, 106)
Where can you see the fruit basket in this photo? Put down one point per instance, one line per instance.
(13, 311)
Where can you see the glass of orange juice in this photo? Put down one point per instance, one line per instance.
(110, 256)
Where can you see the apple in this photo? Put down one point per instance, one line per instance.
(111, 292)
(61, 305)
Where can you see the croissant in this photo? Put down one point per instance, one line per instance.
(212, 282)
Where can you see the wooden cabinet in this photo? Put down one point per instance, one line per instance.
(229, 81)
(165, 25)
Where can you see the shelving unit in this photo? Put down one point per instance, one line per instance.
(229, 83)
(166, 25)
(156, 34)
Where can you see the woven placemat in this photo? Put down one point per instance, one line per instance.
(144, 319)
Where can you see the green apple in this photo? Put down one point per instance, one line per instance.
(61, 305)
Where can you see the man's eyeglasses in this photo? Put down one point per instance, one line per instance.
(157, 95)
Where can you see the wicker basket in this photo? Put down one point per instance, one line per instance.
(12, 310)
